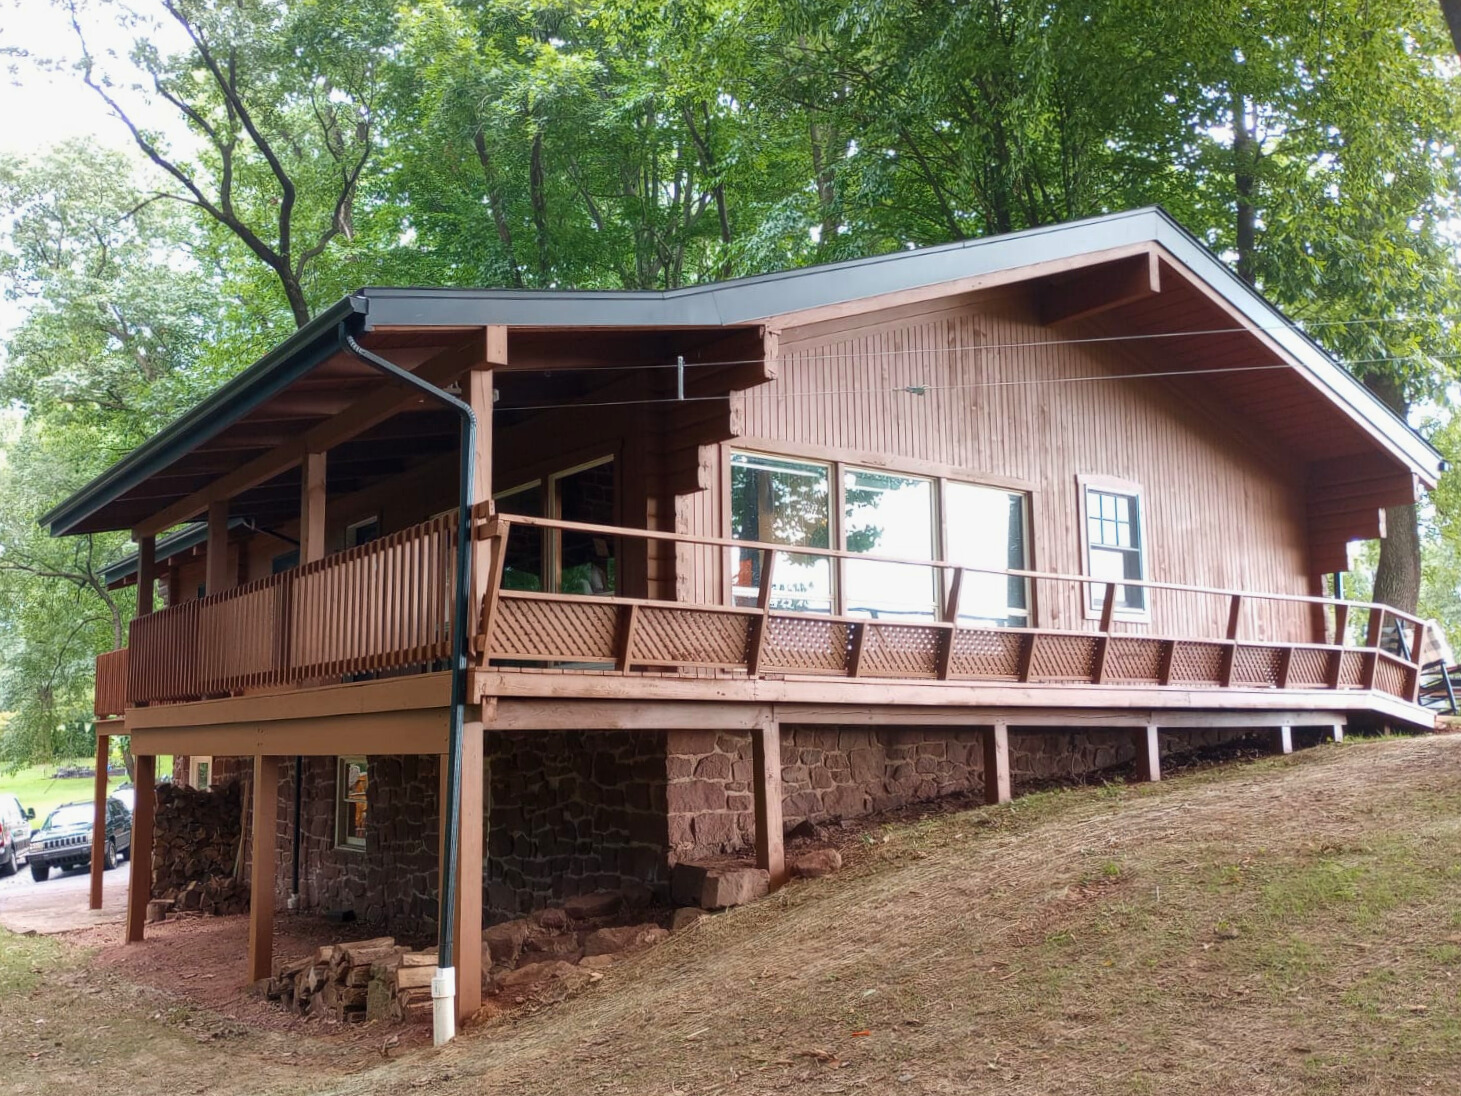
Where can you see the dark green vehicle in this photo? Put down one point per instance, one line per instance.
(64, 839)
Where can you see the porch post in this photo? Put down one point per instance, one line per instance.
(997, 788)
(1336, 732)
(146, 573)
(766, 781)
(99, 818)
(1148, 755)
(139, 852)
(312, 508)
(261, 880)
(479, 395)
(1285, 740)
(216, 572)
(467, 943)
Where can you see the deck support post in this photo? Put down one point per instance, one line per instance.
(467, 959)
(1336, 732)
(997, 788)
(766, 782)
(1285, 740)
(146, 574)
(139, 852)
(99, 818)
(261, 880)
(312, 508)
(216, 566)
(1148, 755)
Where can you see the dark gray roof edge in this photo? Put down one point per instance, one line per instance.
(180, 541)
(299, 353)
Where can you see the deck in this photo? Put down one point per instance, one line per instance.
(380, 613)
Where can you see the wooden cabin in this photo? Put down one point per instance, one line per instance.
(800, 546)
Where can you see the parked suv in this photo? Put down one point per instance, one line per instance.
(64, 839)
(14, 833)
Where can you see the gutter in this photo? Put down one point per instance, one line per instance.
(443, 984)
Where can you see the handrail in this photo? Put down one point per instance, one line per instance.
(841, 553)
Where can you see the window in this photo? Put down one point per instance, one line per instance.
(986, 527)
(888, 515)
(1114, 544)
(522, 566)
(585, 560)
(284, 561)
(351, 781)
(200, 772)
(362, 532)
(779, 501)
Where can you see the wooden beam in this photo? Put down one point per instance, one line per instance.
(997, 786)
(369, 411)
(766, 782)
(392, 694)
(1100, 289)
(469, 874)
(1284, 737)
(411, 731)
(146, 574)
(99, 818)
(312, 508)
(479, 393)
(261, 881)
(216, 576)
(1336, 732)
(139, 852)
(1148, 755)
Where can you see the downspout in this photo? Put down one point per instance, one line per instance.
(443, 985)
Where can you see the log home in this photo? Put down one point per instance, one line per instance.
(800, 546)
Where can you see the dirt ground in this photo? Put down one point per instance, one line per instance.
(1286, 925)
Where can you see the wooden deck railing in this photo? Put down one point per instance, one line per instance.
(385, 605)
(522, 628)
(111, 683)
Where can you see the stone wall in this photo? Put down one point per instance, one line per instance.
(573, 812)
(830, 773)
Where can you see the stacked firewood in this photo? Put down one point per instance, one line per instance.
(196, 841)
(375, 979)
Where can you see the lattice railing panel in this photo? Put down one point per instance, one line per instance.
(805, 645)
(1308, 669)
(1197, 663)
(1352, 669)
(1393, 678)
(900, 650)
(1063, 658)
(987, 653)
(691, 636)
(1257, 665)
(1134, 660)
(554, 630)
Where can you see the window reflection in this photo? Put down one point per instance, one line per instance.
(889, 515)
(986, 528)
(780, 501)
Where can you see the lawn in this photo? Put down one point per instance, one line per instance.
(37, 788)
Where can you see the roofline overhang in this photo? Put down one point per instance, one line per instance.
(746, 301)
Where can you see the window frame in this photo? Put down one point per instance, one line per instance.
(1112, 485)
(837, 466)
(344, 842)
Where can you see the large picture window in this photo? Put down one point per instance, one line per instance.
(565, 561)
(1115, 547)
(782, 500)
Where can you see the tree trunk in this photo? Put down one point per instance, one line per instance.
(1397, 576)
(1244, 156)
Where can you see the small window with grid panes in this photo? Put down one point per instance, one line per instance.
(1114, 546)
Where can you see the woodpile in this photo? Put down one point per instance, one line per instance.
(375, 979)
(195, 848)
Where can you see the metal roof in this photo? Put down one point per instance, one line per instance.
(739, 302)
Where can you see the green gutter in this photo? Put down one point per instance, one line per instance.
(312, 344)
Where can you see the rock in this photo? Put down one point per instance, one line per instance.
(716, 888)
(805, 830)
(565, 947)
(545, 982)
(622, 938)
(637, 896)
(686, 916)
(588, 907)
(597, 962)
(504, 942)
(816, 863)
(554, 920)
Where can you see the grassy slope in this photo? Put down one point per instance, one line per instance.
(36, 789)
(1288, 926)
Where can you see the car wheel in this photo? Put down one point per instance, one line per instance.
(40, 872)
(10, 866)
(109, 859)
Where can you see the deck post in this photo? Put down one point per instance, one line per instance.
(1336, 732)
(139, 852)
(99, 817)
(1148, 755)
(1285, 740)
(146, 573)
(261, 878)
(312, 508)
(766, 782)
(468, 951)
(216, 566)
(997, 788)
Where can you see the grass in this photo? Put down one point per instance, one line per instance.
(1288, 926)
(37, 788)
